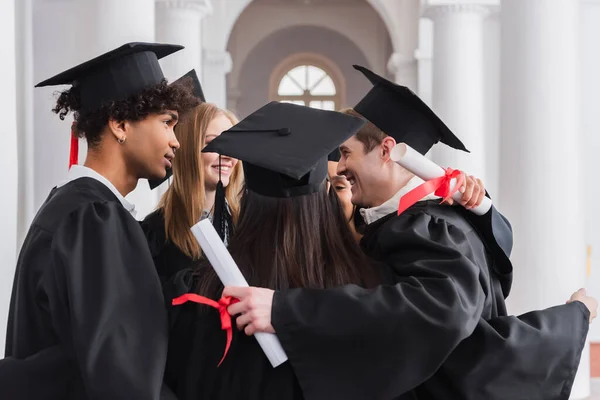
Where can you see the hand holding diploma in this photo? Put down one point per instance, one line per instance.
(436, 179)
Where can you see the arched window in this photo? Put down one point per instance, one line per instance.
(308, 80)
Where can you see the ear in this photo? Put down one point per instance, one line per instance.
(118, 129)
(387, 145)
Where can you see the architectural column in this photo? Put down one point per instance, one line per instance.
(402, 64)
(458, 83)
(25, 138)
(179, 22)
(541, 181)
(217, 64)
(8, 162)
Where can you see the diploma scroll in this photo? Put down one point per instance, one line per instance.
(230, 275)
(415, 162)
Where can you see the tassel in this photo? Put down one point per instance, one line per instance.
(74, 151)
(221, 218)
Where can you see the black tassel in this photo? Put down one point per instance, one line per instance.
(221, 217)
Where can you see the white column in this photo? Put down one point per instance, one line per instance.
(117, 22)
(179, 22)
(402, 64)
(25, 138)
(541, 155)
(8, 162)
(458, 83)
(217, 64)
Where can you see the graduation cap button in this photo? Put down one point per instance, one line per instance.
(284, 132)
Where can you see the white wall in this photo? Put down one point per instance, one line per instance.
(8, 161)
(590, 32)
(491, 87)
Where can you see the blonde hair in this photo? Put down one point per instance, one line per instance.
(185, 198)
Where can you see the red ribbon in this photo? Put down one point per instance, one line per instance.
(74, 151)
(221, 306)
(439, 186)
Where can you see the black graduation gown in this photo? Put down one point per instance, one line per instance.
(87, 304)
(196, 345)
(167, 257)
(439, 333)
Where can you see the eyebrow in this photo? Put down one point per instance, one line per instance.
(338, 178)
(342, 148)
(172, 115)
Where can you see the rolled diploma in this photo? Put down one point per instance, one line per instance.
(230, 275)
(418, 164)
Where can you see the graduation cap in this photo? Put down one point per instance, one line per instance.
(401, 114)
(115, 75)
(284, 147)
(196, 86)
(335, 155)
(197, 92)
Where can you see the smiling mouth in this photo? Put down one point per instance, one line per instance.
(225, 169)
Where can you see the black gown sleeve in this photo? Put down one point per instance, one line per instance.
(44, 375)
(106, 303)
(532, 356)
(381, 343)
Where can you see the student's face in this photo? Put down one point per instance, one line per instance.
(151, 143)
(362, 170)
(340, 184)
(210, 161)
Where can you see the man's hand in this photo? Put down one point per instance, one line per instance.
(589, 302)
(254, 307)
(473, 192)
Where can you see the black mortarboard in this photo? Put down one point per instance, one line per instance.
(197, 91)
(335, 155)
(284, 147)
(115, 75)
(196, 86)
(401, 114)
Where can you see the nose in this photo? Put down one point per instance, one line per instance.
(173, 142)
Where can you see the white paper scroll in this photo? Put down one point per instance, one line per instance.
(415, 162)
(230, 275)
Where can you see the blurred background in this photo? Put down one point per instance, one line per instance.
(517, 80)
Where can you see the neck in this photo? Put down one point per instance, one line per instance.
(113, 169)
(398, 179)
(209, 199)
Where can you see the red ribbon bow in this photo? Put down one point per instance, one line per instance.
(221, 306)
(439, 186)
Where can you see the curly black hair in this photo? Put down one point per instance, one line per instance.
(155, 99)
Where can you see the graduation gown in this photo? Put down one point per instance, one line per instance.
(196, 346)
(440, 332)
(167, 257)
(87, 304)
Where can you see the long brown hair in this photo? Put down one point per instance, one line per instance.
(184, 200)
(302, 241)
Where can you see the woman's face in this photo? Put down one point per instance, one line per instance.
(341, 186)
(210, 161)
